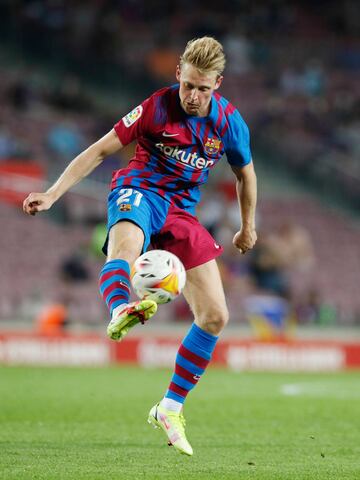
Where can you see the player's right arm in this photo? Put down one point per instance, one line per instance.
(78, 169)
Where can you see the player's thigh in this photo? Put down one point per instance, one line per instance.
(129, 223)
(126, 240)
(183, 235)
(205, 294)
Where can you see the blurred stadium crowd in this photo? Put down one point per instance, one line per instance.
(69, 70)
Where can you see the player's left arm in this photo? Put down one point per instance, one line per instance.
(246, 188)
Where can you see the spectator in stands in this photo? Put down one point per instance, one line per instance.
(7, 143)
(19, 92)
(53, 318)
(314, 80)
(65, 140)
(73, 268)
(279, 252)
(238, 50)
(10, 146)
(69, 95)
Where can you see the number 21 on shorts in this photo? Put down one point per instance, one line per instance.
(128, 197)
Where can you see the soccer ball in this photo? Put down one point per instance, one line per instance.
(158, 275)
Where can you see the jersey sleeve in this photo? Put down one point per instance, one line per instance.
(135, 123)
(237, 146)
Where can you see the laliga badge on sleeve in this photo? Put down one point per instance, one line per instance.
(131, 117)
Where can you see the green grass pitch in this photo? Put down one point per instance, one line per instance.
(73, 423)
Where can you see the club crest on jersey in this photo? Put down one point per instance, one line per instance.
(124, 207)
(131, 117)
(212, 146)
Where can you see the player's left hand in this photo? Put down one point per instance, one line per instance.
(245, 239)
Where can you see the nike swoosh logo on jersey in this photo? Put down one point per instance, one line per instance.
(170, 134)
(217, 246)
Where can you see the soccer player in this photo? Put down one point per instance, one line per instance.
(182, 132)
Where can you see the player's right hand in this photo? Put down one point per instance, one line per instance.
(37, 202)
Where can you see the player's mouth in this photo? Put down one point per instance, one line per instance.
(192, 107)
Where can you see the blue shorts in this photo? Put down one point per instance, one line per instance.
(165, 226)
(144, 208)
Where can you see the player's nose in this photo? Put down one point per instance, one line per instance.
(193, 94)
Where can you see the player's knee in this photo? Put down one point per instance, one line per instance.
(215, 320)
(128, 253)
(125, 242)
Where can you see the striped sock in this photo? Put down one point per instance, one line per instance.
(114, 283)
(191, 361)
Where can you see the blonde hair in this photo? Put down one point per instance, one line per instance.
(206, 54)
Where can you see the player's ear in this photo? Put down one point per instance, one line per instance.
(178, 73)
(218, 82)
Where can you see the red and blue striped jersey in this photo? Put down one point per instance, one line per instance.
(175, 151)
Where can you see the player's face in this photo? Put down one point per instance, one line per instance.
(196, 89)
